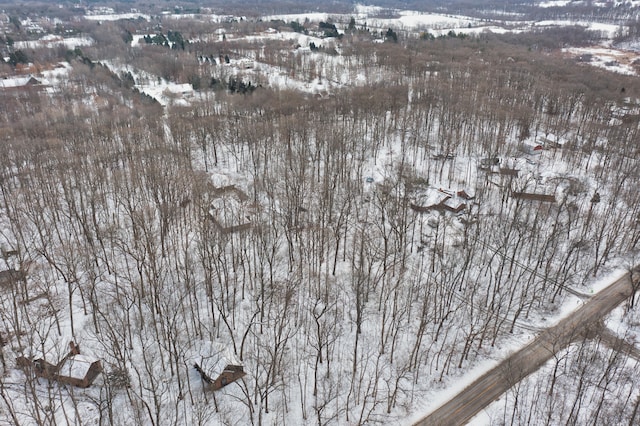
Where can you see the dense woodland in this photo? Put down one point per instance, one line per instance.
(345, 302)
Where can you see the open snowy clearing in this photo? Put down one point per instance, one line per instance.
(117, 17)
(54, 41)
(607, 30)
(611, 59)
(165, 92)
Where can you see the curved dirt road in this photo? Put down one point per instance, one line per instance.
(486, 389)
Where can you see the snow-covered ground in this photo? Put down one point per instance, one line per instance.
(588, 382)
(564, 3)
(302, 17)
(186, 305)
(607, 30)
(608, 58)
(414, 22)
(454, 384)
(54, 41)
(160, 89)
(117, 16)
(52, 76)
(553, 3)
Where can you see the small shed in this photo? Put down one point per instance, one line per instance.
(216, 364)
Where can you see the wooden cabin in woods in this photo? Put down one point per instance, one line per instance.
(229, 374)
(79, 370)
(216, 364)
(230, 211)
(73, 369)
(453, 205)
(427, 199)
(430, 199)
(19, 83)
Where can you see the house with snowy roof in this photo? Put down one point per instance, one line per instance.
(216, 364)
(18, 82)
(428, 199)
(79, 370)
(73, 369)
(230, 211)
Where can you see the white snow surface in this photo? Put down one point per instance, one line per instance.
(606, 57)
(212, 357)
(563, 3)
(380, 169)
(553, 3)
(165, 92)
(443, 392)
(15, 81)
(299, 17)
(76, 366)
(608, 30)
(51, 40)
(117, 16)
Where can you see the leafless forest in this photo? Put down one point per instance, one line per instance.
(289, 227)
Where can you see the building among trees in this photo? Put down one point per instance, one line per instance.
(217, 365)
(73, 369)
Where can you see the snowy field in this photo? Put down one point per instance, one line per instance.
(54, 41)
(117, 17)
(611, 59)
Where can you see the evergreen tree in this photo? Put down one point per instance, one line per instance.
(352, 24)
(18, 57)
(391, 36)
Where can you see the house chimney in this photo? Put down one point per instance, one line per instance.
(74, 349)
